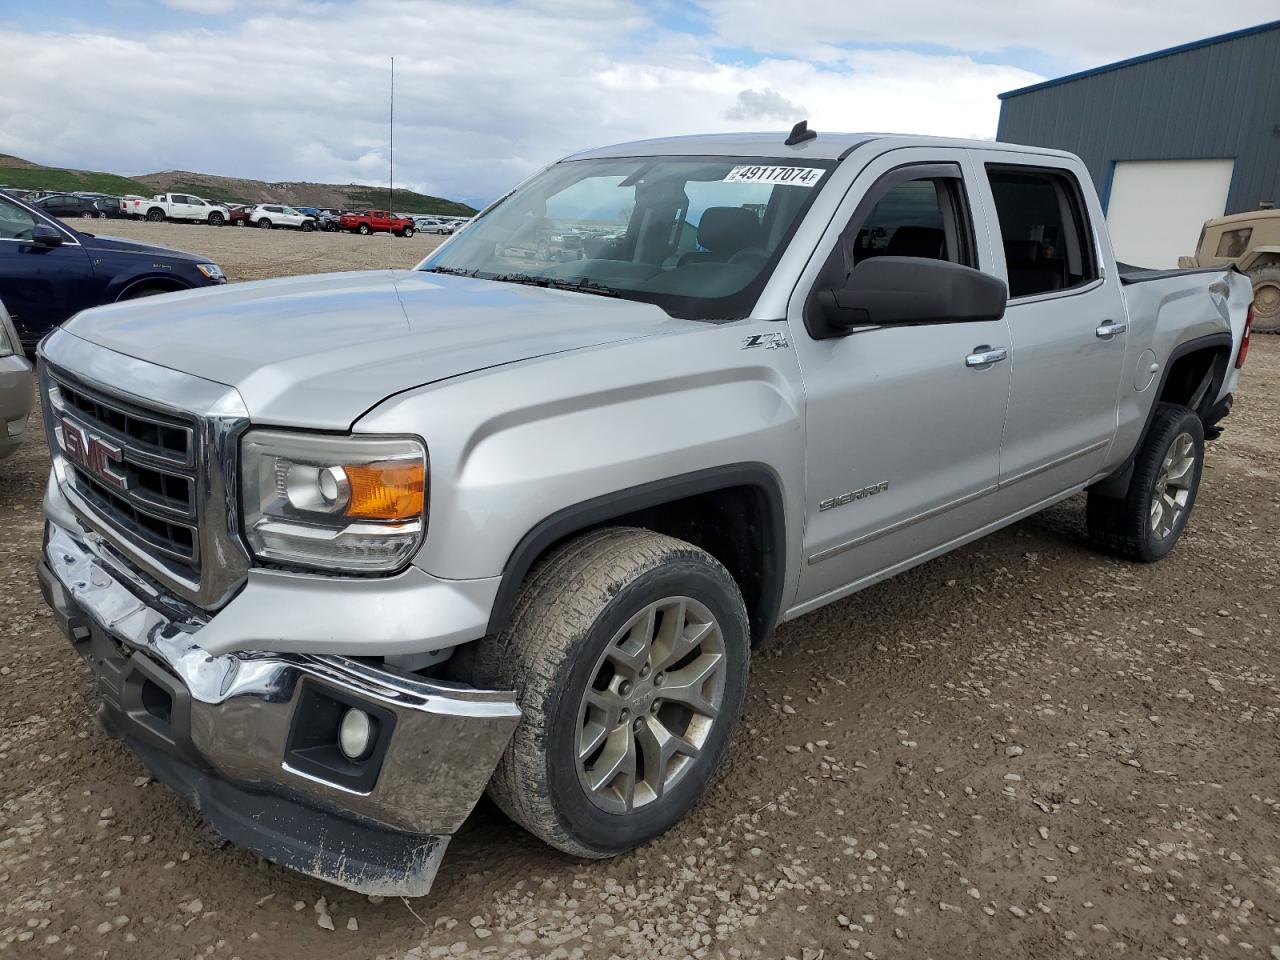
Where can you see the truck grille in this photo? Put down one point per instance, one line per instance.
(134, 465)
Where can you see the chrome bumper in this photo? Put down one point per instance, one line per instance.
(257, 723)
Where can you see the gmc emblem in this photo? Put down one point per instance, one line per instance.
(90, 452)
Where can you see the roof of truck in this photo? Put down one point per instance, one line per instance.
(825, 146)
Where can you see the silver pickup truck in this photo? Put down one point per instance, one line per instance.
(346, 551)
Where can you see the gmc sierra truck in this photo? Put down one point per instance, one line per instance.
(346, 551)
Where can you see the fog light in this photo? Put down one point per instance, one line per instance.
(355, 734)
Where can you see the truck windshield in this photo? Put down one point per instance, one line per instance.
(697, 236)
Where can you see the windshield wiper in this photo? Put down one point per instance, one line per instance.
(452, 271)
(554, 283)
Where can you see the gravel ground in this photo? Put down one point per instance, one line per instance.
(1023, 749)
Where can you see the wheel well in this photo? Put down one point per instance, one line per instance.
(742, 525)
(144, 288)
(1194, 378)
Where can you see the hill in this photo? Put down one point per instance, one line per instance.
(16, 172)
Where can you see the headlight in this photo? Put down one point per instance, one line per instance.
(212, 271)
(355, 504)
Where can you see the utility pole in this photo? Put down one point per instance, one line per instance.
(391, 173)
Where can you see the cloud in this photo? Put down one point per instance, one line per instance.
(764, 105)
(486, 92)
(1083, 32)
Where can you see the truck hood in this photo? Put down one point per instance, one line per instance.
(318, 351)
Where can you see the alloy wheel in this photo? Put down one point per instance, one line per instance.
(1173, 486)
(653, 699)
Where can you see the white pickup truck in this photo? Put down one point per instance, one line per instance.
(177, 206)
(346, 551)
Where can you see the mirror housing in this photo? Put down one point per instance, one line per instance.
(43, 235)
(897, 291)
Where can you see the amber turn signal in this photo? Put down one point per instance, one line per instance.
(386, 490)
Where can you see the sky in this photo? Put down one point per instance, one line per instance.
(489, 92)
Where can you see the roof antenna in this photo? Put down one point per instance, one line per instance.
(800, 133)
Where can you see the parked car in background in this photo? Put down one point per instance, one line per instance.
(434, 225)
(66, 206)
(1251, 242)
(49, 271)
(269, 215)
(313, 212)
(377, 221)
(329, 219)
(127, 202)
(238, 214)
(108, 208)
(17, 393)
(639, 467)
(179, 206)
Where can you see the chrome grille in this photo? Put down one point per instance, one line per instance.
(152, 464)
(134, 465)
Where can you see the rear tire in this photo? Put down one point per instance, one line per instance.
(1146, 523)
(264, 224)
(155, 215)
(623, 643)
(363, 229)
(1266, 298)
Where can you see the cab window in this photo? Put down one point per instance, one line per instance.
(1043, 228)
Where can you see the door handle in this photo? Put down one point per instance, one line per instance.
(985, 355)
(1110, 328)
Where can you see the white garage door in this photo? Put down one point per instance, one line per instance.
(1157, 207)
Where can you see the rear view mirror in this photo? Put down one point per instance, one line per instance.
(884, 291)
(43, 235)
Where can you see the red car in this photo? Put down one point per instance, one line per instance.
(376, 221)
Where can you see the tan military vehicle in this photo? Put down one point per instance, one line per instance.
(1252, 242)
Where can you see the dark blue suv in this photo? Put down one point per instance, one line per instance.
(49, 272)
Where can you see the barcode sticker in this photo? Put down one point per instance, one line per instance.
(786, 176)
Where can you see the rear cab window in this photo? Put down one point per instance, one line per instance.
(1044, 230)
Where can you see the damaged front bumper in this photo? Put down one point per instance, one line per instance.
(252, 738)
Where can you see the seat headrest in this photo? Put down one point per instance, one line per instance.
(912, 241)
(726, 230)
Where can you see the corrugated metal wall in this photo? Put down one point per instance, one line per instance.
(1220, 100)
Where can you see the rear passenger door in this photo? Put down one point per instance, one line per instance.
(1068, 324)
(902, 430)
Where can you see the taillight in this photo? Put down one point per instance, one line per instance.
(1244, 341)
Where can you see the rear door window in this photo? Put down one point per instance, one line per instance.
(1044, 230)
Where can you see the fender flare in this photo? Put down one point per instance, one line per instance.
(1117, 483)
(579, 517)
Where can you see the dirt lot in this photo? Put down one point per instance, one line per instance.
(247, 253)
(1024, 749)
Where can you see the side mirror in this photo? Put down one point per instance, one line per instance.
(43, 235)
(893, 291)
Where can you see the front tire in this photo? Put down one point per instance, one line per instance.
(1266, 298)
(629, 653)
(407, 232)
(308, 226)
(1146, 523)
(216, 219)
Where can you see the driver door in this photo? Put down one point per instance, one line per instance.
(903, 427)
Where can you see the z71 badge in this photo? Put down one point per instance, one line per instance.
(770, 341)
(853, 495)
